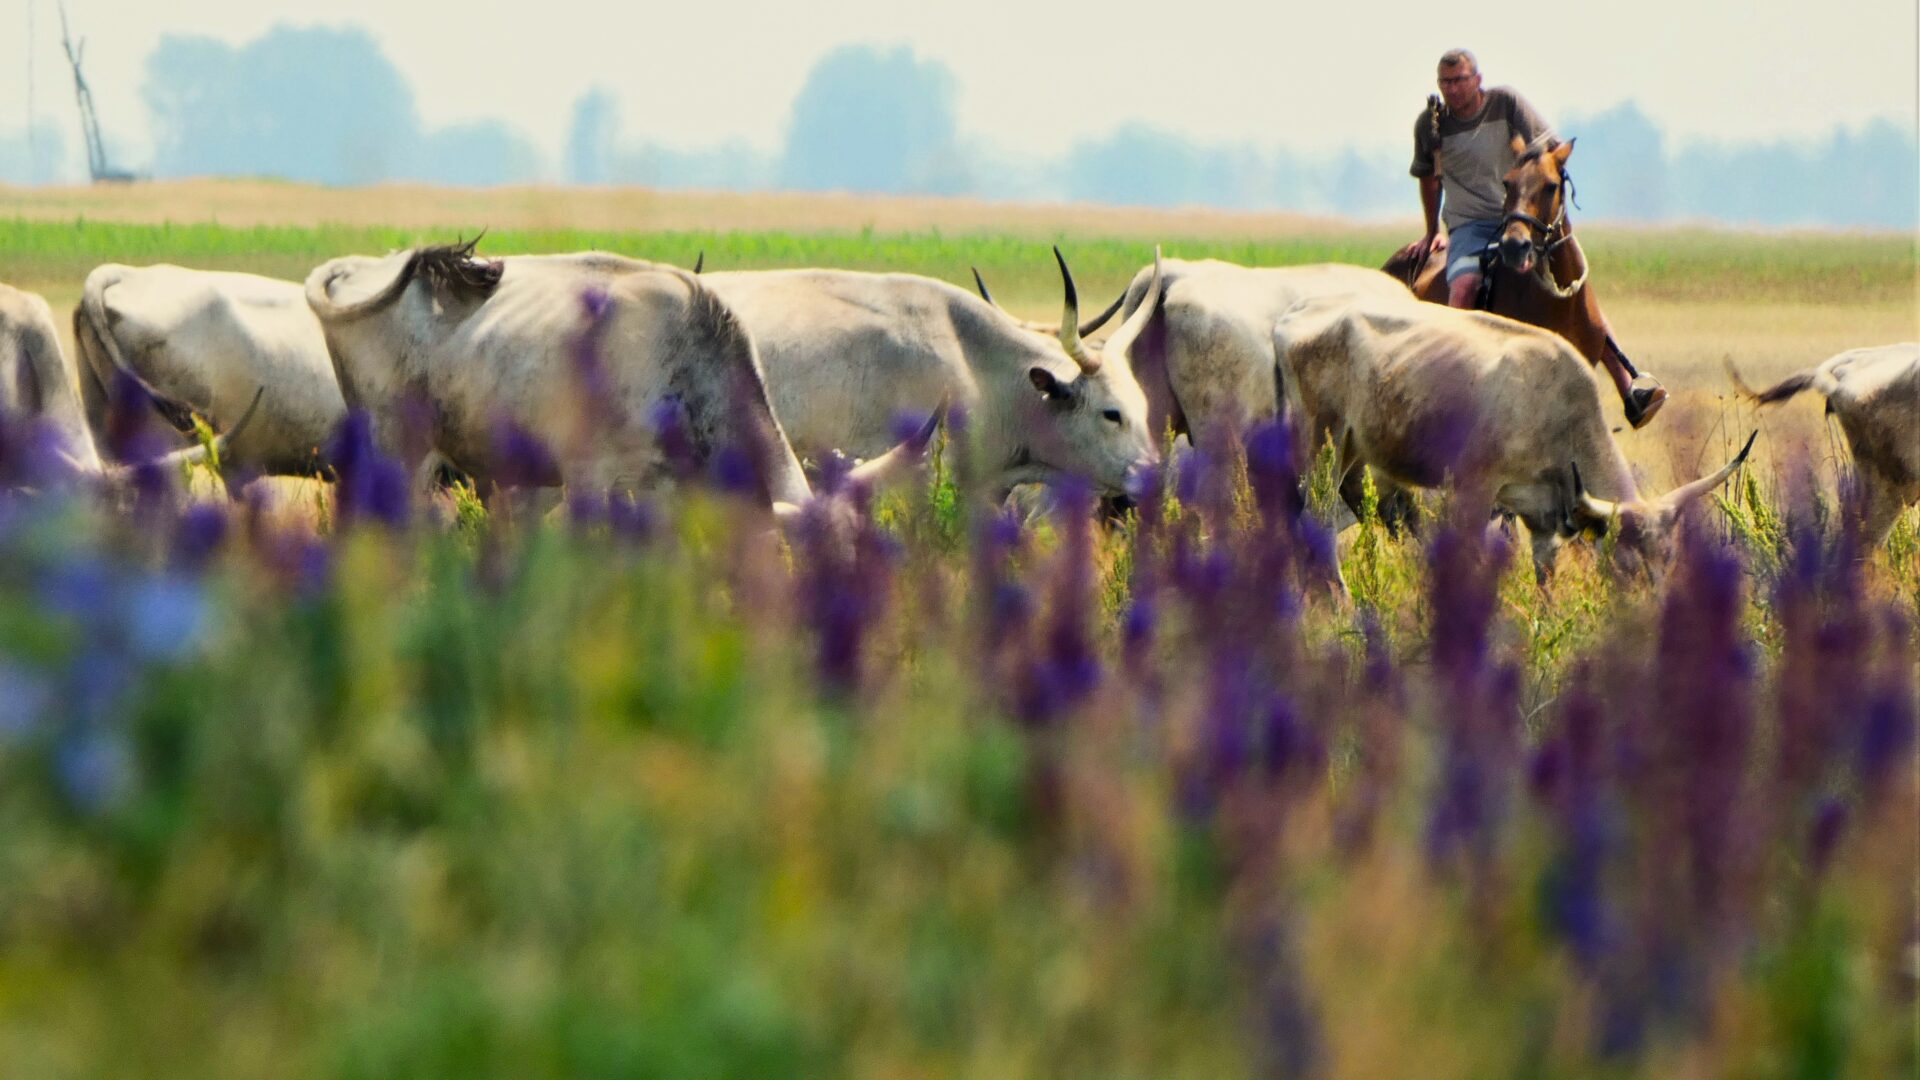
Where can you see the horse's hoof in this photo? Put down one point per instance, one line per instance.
(1644, 398)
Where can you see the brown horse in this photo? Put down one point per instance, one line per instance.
(1540, 276)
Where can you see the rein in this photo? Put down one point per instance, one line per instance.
(1545, 243)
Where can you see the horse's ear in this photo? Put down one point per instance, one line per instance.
(1562, 152)
(1519, 146)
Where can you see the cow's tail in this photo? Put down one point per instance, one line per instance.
(98, 354)
(720, 333)
(1778, 392)
(93, 336)
(452, 267)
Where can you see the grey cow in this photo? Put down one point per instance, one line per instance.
(489, 342)
(845, 352)
(1428, 395)
(203, 341)
(1875, 393)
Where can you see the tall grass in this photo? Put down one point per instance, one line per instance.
(1662, 264)
(646, 788)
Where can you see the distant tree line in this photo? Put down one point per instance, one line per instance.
(326, 105)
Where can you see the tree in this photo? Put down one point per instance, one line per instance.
(590, 140)
(314, 103)
(1619, 164)
(1137, 165)
(873, 120)
(484, 153)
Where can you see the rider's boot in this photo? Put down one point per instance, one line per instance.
(1645, 395)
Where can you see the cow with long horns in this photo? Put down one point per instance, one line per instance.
(847, 352)
(1429, 395)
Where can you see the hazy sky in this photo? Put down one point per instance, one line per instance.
(1036, 75)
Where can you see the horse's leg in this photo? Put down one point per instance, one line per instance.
(1617, 370)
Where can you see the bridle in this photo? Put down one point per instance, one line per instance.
(1549, 237)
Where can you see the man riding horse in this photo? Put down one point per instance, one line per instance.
(1492, 162)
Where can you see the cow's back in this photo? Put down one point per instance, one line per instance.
(845, 353)
(1218, 338)
(586, 353)
(1427, 390)
(208, 340)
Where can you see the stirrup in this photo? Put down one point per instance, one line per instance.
(1644, 398)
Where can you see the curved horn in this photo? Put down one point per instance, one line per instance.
(981, 284)
(1122, 339)
(700, 262)
(1070, 319)
(1686, 493)
(1604, 510)
(194, 455)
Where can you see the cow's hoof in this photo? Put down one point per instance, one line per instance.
(1644, 398)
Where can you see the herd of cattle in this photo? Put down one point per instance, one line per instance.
(591, 351)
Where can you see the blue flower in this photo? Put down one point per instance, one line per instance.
(24, 697)
(93, 768)
(165, 617)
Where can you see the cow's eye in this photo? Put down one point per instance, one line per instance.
(1112, 415)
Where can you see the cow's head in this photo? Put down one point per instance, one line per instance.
(1534, 214)
(1643, 529)
(1089, 415)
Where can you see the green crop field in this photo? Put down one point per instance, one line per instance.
(650, 788)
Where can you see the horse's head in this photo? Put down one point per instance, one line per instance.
(1535, 214)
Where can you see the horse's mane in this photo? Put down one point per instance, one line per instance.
(1534, 151)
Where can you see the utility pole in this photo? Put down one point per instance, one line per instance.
(89, 122)
(33, 139)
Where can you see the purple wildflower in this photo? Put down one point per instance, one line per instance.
(198, 536)
(521, 459)
(370, 487)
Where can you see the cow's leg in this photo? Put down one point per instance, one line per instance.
(1539, 504)
(1394, 504)
(1546, 549)
(1879, 504)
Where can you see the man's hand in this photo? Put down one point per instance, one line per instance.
(1423, 247)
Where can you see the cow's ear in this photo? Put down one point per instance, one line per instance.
(1049, 386)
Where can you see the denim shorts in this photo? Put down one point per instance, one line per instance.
(1465, 242)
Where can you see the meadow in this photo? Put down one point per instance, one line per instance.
(643, 788)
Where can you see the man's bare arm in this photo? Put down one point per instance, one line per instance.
(1430, 205)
